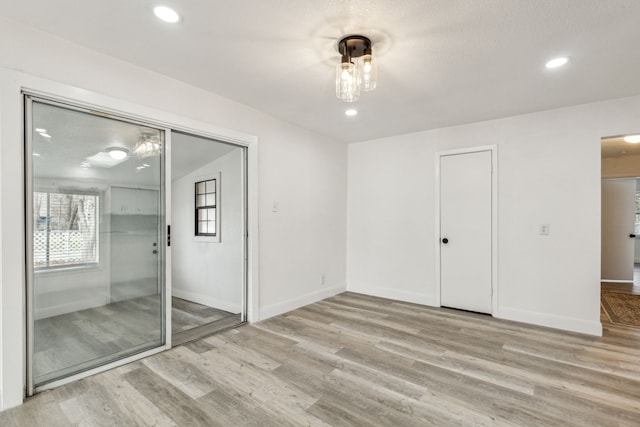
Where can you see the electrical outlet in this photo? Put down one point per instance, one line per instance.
(544, 229)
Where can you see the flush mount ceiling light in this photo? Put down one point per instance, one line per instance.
(166, 14)
(148, 145)
(351, 112)
(632, 139)
(117, 153)
(357, 69)
(557, 62)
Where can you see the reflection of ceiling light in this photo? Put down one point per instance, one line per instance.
(632, 139)
(41, 130)
(117, 153)
(166, 14)
(147, 146)
(351, 112)
(104, 160)
(557, 62)
(46, 135)
(36, 154)
(357, 69)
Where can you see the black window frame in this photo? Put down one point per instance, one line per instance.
(197, 220)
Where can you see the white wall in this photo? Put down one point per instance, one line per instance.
(303, 171)
(548, 173)
(621, 167)
(209, 272)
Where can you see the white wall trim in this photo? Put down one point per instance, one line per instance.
(292, 304)
(69, 307)
(207, 300)
(494, 220)
(397, 295)
(551, 321)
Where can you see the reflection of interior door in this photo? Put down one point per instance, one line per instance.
(134, 242)
(465, 231)
(618, 218)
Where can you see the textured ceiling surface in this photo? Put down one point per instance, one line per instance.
(618, 147)
(441, 62)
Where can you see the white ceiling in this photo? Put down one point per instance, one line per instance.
(618, 147)
(441, 62)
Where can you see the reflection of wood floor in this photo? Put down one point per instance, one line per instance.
(360, 360)
(86, 336)
(187, 315)
(76, 340)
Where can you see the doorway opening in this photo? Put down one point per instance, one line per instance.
(208, 208)
(95, 241)
(620, 238)
(109, 205)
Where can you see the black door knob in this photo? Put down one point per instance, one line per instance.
(445, 240)
(632, 236)
(155, 252)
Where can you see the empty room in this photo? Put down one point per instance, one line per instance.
(319, 212)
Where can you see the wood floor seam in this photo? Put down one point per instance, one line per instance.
(356, 360)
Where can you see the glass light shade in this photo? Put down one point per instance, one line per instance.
(147, 147)
(369, 73)
(347, 82)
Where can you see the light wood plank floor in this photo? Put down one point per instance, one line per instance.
(360, 360)
(86, 338)
(188, 315)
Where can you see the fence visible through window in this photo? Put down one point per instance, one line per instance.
(65, 229)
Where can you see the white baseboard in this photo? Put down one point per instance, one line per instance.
(615, 281)
(70, 307)
(395, 294)
(207, 300)
(552, 321)
(292, 304)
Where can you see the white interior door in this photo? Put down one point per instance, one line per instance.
(465, 231)
(618, 219)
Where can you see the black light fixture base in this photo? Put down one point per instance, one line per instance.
(354, 46)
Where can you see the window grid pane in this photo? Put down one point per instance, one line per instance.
(205, 202)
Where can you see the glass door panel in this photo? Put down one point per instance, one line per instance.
(96, 288)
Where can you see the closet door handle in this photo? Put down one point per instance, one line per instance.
(633, 236)
(445, 240)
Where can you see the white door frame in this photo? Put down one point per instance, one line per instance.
(13, 381)
(494, 220)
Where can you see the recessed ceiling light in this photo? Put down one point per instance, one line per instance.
(557, 62)
(632, 139)
(351, 112)
(166, 14)
(117, 152)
